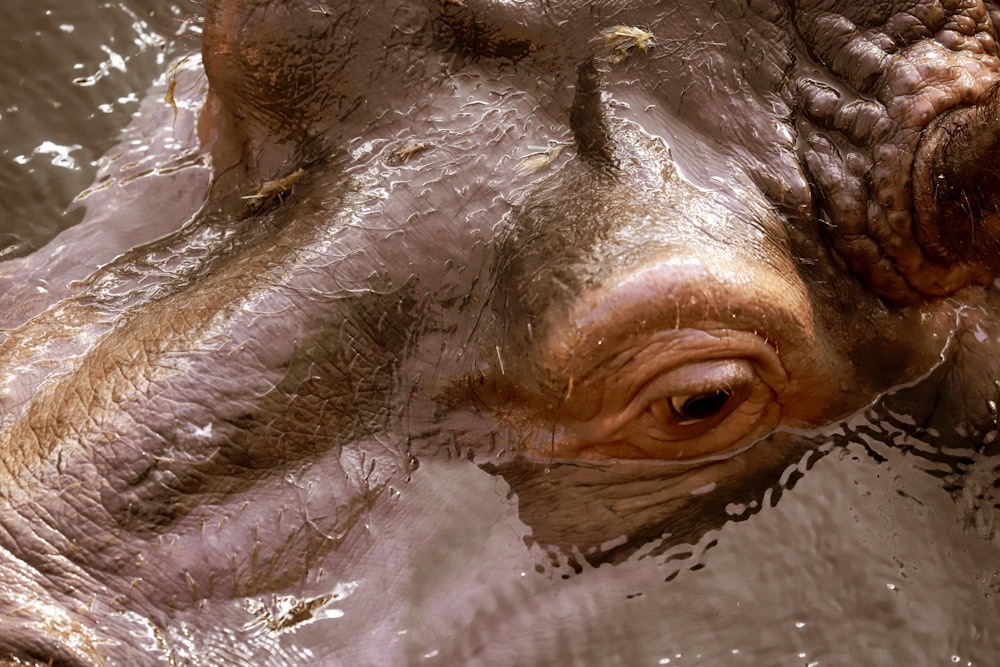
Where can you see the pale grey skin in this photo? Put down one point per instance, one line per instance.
(285, 432)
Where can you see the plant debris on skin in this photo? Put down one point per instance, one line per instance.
(407, 150)
(625, 40)
(272, 192)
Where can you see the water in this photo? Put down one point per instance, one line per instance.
(71, 75)
(865, 554)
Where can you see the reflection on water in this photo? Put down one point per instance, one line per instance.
(866, 552)
(68, 84)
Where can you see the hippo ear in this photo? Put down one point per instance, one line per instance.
(291, 81)
(901, 149)
(288, 71)
(956, 184)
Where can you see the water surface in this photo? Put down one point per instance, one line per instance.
(71, 76)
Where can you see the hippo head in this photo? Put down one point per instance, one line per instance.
(616, 265)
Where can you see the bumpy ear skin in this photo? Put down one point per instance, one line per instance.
(956, 183)
(898, 138)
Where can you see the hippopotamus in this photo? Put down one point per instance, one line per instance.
(495, 332)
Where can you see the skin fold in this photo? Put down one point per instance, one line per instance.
(611, 266)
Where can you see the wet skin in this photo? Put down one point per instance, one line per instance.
(623, 259)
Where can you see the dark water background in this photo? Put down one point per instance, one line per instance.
(71, 75)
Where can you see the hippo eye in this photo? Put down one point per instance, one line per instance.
(687, 411)
(689, 398)
(701, 409)
(690, 409)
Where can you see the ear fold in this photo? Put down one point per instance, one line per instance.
(956, 184)
(288, 70)
(902, 147)
(293, 81)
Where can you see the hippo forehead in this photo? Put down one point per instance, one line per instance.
(715, 86)
(758, 100)
(597, 131)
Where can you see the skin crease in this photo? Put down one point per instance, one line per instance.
(498, 240)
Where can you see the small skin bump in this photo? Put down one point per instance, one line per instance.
(987, 43)
(942, 98)
(882, 42)
(885, 154)
(904, 77)
(840, 192)
(860, 252)
(930, 68)
(976, 11)
(888, 280)
(887, 198)
(822, 101)
(918, 108)
(863, 121)
(880, 130)
(963, 23)
(905, 29)
(836, 29)
(864, 62)
(878, 228)
(952, 40)
(970, 95)
(906, 254)
(931, 14)
(882, 177)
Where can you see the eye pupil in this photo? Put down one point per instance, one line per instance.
(700, 406)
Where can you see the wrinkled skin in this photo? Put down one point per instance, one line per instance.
(416, 253)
